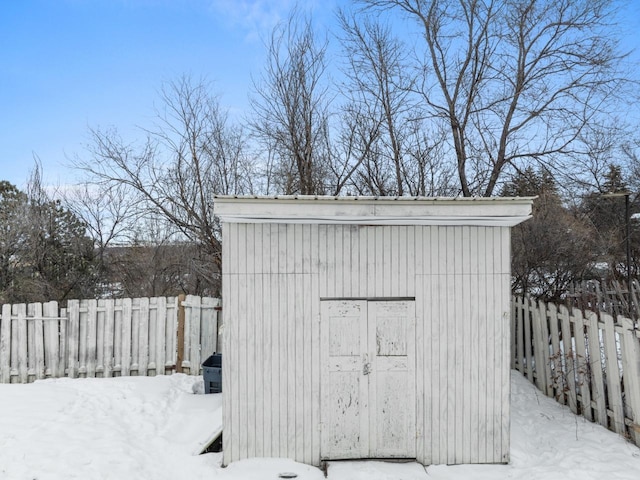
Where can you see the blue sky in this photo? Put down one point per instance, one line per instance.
(67, 65)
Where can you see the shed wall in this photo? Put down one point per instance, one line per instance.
(274, 276)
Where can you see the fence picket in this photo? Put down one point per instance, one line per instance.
(171, 333)
(209, 327)
(91, 316)
(51, 338)
(73, 332)
(581, 365)
(22, 344)
(84, 338)
(135, 336)
(614, 392)
(38, 341)
(108, 337)
(631, 372)
(194, 313)
(5, 344)
(161, 321)
(598, 391)
(13, 358)
(181, 338)
(520, 329)
(544, 347)
(186, 341)
(118, 329)
(126, 337)
(539, 344)
(569, 370)
(514, 333)
(31, 344)
(527, 338)
(152, 338)
(143, 336)
(556, 355)
(100, 354)
(64, 339)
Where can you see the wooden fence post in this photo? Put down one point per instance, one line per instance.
(180, 333)
(631, 372)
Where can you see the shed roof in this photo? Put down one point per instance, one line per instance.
(478, 211)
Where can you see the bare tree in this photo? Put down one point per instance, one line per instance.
(45, 253)
(514, 81)
(111, 216)
(384, 146)
(631, 158)
(290, 108)
(426, 172)
(380, 86)
(107, 210)
(191, 154)
(196, 133)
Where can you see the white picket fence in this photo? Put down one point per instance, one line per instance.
(588, 361)
(107, 337)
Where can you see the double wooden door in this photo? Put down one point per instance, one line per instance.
(368, 400)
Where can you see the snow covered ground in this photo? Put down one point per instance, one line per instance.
(152, 428)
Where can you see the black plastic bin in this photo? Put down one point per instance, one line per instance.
(212, 373)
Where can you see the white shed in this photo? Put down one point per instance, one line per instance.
(367, 327)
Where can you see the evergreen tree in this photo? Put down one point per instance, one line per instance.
(551, 250)
(45, 253)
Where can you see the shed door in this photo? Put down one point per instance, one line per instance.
(368, 379)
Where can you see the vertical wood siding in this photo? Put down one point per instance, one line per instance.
(274, 277)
